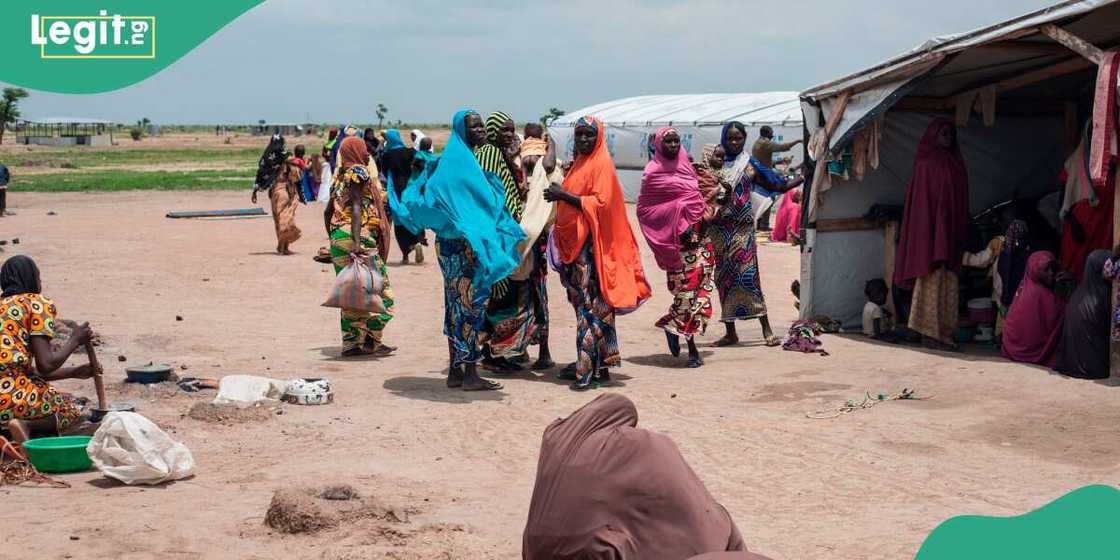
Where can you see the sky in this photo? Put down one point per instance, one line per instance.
(320, 61)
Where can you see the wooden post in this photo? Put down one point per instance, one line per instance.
(1073, 42)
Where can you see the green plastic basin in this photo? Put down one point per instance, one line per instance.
(59, 454)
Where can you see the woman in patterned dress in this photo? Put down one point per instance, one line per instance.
(511, 321)
(672, 214)
(28, 403)
(732, 235)
(359, 212)
(476, 239)
(602, 270)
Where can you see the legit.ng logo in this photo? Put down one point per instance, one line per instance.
(94, 37)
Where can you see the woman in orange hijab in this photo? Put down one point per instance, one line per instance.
(602, 270)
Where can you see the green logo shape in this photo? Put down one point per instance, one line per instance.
(1081, 525)
(77, 46)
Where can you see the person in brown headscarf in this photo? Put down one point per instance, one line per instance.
(357, 211)
(606, 489)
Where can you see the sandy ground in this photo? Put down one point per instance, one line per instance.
(996, 439)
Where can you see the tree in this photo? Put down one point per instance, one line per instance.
(382, 110)
(9, 108)
(552, 115)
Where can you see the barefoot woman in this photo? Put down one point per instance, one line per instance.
(476, 240)
(29, 405)
(672, 213)
(280, 175)
(732, 235)
(359, 213)
(602, 270)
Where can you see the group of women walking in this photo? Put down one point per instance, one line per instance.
(503, 214)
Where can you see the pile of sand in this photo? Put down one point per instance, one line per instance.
(308, 510)
(229, 414)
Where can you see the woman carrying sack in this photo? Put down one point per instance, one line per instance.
(358, 205)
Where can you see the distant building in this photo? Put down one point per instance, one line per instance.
(286, 129)
(65, 131)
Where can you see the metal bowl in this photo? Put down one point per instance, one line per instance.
(151, 373)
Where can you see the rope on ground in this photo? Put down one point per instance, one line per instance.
(868, 402)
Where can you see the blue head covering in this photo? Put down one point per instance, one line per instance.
(765, 176)
(393, 140)
(457, 200)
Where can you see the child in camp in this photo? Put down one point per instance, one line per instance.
(876, 320)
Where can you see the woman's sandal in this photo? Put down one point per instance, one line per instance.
(383, 350)
(485, 385)
(695, 361)
(356, 352)
(773, 341)
(542, 364)
(726, 341)
(568, 373)
(586, 387)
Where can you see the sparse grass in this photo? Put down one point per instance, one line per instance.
(124, 180)
(85, 158)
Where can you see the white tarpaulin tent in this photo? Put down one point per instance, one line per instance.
(700, 118)
(1026, 77)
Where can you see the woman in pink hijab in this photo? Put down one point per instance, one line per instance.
(787, 226)
(671, 213)
(1033, 327)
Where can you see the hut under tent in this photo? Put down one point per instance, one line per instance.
(1022, 94)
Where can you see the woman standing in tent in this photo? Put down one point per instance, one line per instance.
(601, 267)
(281, 176)
(476, 240)
(511, 321)
(732, 235)
(672, 213)
(397, 161)
(358, 212)
(934, 223)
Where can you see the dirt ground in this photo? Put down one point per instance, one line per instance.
(996, 439)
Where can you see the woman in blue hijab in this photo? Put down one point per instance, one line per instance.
(476, 239)
(732, 235)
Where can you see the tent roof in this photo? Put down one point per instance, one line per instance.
(1011, 46)
(778, 107)
(66, 120)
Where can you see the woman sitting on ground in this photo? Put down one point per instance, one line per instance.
(606, 489)
(1083, 351)
(1033, 327)
(29, 405)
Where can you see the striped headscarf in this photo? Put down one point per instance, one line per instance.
(494, 125)
(494, 159)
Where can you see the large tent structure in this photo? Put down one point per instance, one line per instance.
(1020, 91)
(629, 123)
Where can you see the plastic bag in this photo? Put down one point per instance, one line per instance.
(357, 286)
(133, 450)
(246, 390)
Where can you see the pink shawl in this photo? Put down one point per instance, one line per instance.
(670, 202)
(789, 217)
(935, 218)
(1033, 327)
